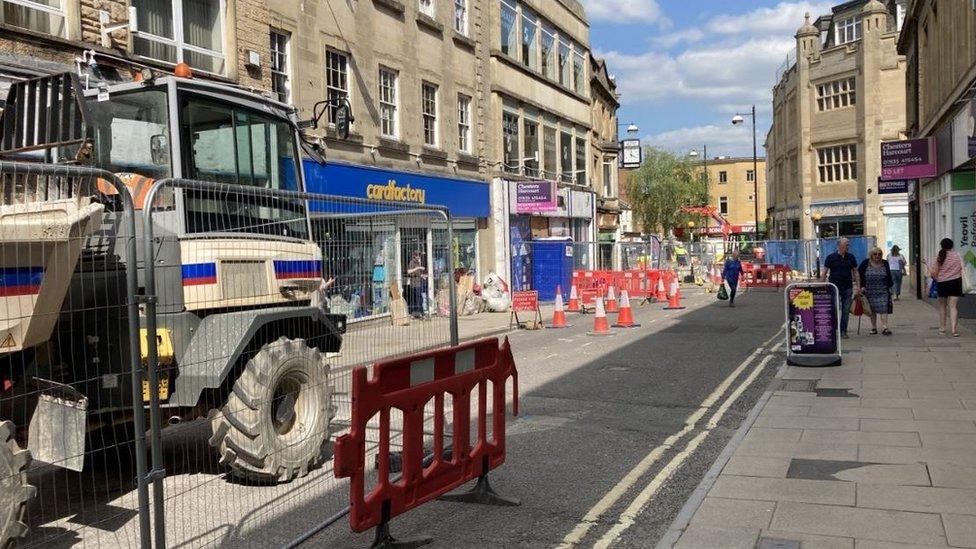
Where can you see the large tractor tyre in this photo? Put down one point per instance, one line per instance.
(14, 490)
(277, 417)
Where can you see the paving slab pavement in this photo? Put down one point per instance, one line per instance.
(892, 465)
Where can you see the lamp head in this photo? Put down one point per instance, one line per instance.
(693, 153)
(632, 128)
(736, 120)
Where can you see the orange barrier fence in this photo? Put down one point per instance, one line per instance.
(765, 275)
(407, 384)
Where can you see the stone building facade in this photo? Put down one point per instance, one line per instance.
(731, 191)
(604, 148)
(215, 37)
(939, 41)
(831, 110)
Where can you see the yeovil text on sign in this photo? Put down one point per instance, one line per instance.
(909, 159)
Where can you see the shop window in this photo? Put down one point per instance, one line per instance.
(336, 80)
(45, 16)
(530, 28)
(854, 227)
(428, 96)
(181, 31)
(530, 152)
(509, 18)
(510, 142)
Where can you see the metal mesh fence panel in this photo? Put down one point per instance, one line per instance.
(251, 288)
(69, 360)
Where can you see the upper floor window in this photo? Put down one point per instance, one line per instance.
(566, 157)
(581, 161)
(280, 66)
(510, 142)
(336, 80)
(509, 17)
(461, 16)
(608, 179)
(579, 72)
(45, 16)
(836, 94)
(837, 163)
(428, 100)
(550, 167)
(181, 31)
(750, 176)
(464, 123)
(723, 205)
(388, 102)
(530, 149)
(723, 177)
(848, 30)
(548, 47)
(530, 30)
(564, 64)
(427, 7)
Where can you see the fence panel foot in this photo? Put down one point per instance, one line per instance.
(482, 493)
(384, 540)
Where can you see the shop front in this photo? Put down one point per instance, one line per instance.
(541, 211)
(370, 251)
(948, 210)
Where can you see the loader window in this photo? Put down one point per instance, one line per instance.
(239, 147)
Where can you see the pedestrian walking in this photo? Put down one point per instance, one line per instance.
(417, 278)
(947, 273)
(875, 273)
(731, 273)
(841, 271)
(897, 265)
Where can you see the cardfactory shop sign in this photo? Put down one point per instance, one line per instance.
(392, 192)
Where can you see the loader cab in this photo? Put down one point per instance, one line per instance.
(177, 127)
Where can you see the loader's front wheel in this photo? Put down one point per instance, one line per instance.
(277, 417)
(14, 490)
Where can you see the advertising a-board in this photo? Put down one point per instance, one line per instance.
(813, 324)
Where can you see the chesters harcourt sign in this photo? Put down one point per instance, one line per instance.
(394, 193)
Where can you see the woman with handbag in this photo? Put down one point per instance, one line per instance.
(876, 275)
(947, 274)
(731, 272)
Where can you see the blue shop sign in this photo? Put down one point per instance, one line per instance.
(463, 197)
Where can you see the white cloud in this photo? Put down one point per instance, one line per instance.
(731, 74)
(722, 140)
(785, 17)
(626, 11)
(672, 39)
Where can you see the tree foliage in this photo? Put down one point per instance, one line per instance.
(661, 186)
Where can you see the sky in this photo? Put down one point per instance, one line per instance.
(684, 68)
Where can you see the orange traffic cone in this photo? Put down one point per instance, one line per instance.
(558, 315)
(611, 303)
(625, 318)
(600, 325)
(662, 295)
(574, 304)
(674, 300)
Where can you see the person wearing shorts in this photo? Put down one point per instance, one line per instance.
(947, 273)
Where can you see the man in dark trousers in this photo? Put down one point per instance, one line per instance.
(841, 271)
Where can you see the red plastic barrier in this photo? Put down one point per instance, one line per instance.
(407, 384)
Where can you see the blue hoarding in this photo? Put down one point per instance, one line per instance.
(463, 197)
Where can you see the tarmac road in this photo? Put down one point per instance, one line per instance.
(599, 455)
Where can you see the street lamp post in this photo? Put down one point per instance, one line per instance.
(737, 120)
(694, 154)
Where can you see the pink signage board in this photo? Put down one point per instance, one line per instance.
(909, 159)
(535, 196)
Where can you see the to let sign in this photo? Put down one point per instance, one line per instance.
(910, 159)
(535, 196)
(525, 302)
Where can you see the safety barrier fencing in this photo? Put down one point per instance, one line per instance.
(407, 384)
(178, 367)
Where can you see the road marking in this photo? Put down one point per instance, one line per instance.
(630, 514)
(550, 356)
(587, 344)
(639, 470)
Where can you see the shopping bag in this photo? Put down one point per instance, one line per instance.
(934, 289)
(857, 306)
(723, 293)
(866, 305)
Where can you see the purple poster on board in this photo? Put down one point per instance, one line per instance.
(535, 196)
(910, 159)
(813, 321)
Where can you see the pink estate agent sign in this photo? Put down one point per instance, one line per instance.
(535, 196)
(910, 159)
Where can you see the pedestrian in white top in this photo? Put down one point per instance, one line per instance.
(897, 264)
